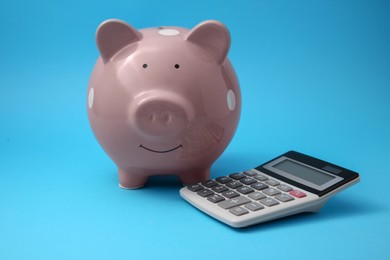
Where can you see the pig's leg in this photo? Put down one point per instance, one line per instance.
(131, 179)
(194, 175)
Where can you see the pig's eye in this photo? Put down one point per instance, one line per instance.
(177, 66)
(145, 66)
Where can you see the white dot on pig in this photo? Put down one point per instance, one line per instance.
(168, 32)
(231, 100)
(90, 97)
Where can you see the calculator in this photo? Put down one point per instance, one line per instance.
(289, 184)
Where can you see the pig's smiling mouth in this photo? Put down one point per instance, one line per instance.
(156, 151)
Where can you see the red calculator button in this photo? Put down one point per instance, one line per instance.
(297, 193)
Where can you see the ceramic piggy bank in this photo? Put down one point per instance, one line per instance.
(164, 100)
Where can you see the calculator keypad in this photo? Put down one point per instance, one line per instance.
(244, 192)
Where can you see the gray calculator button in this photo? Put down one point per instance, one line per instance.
(230, 194)
(209, 183)
(284, 187)
(257, 195)
(195, 187)
(271, 182)
(259, 186)
(247, 180)
(260, 177)
(223, 179)
(253, 206)
(238, 211)
(271, 191)
(250, 173)
(244, 190)
(219, 188)
(215, 198)
(227, 204)
(234, 184)
(237, 176)
(284, 197)
(269, 202)
(205, 193)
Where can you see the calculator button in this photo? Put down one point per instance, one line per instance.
(219, 188)
(209, 183)
(223, 179)
(270, 182)
(227, 204)
(250, 173)
(244, 190)
(195, 187)
(238, 211)
(269, 202)
(284, 187)
(284, 197)
(259, 186)
(253, 206)
(230, 194)
(271, 192)
(215, 198)
(248, 180)
(257, 196)
(297, 193)
(237, 176)
(260, 177)
(205, 193)
(234, 184)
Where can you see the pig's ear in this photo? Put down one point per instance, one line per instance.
(213, 36)
(112, 35)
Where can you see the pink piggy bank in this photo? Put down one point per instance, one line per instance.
(163, 100)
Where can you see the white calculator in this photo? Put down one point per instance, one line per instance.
(289, 184)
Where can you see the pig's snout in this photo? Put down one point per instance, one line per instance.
(161, 114)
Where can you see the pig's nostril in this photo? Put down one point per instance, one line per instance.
(161, 118)
(166, 118)
(152, 118)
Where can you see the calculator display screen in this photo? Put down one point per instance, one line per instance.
(304, 172)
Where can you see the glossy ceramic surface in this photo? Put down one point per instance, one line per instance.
(163, 100)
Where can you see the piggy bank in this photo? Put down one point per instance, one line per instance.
(163, 100)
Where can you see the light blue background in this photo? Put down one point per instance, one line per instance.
(315, 77)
